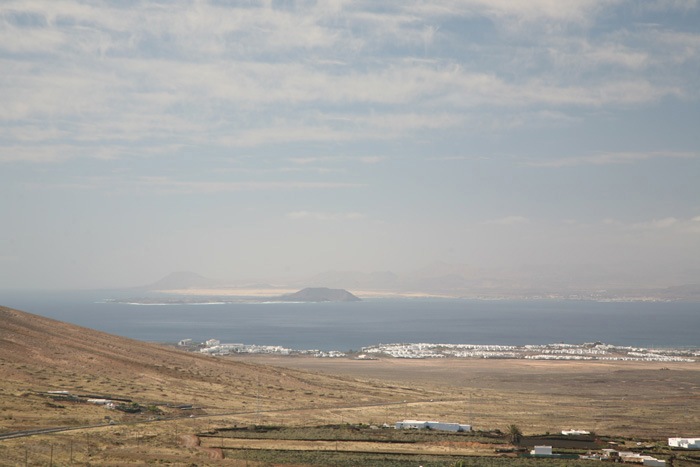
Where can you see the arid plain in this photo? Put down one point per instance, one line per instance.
(649, 401)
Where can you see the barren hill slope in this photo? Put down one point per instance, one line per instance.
(39, 354)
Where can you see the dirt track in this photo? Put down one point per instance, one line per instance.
(467, 449)
(192, 441)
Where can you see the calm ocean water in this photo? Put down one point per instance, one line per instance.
(343, 326)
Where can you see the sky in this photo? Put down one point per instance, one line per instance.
(279, 139)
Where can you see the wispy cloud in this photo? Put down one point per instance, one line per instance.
(371, 159)
(509, 220)
(166, 185)
(255, 75)
(516, 13)
(57, 153)
(612, 158)
(321, 170)
(656, 224)
(324, 216)
(336, 159)
(665, 224)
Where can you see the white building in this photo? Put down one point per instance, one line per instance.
(212, 342)
(424, 425)
(634, 457)
(685, 443)
(575, 432)
(103, 402)
(184, 342)
(542, 451)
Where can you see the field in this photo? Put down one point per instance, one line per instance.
(651, 400)
(348, 445)
(629, 401)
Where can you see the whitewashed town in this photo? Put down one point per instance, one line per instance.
(557, 351)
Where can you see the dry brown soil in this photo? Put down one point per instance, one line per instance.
(38, 355)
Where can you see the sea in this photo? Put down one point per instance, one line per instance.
(352, 325)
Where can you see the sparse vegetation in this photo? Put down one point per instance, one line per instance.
(349, 432)
(514, 434)
(615, 398)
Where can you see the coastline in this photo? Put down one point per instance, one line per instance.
(250, 294)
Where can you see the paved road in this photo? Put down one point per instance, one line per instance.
(45, 431)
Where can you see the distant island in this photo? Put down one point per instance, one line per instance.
(309, 294)
(319, 294)
(438, 280)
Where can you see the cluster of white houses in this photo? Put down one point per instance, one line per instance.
(623, 456)
(546, 451)
(685, 443)
(215, 347)
(590, 351)
(558, 351)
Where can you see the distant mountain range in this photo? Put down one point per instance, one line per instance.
(587, 282)
(184, 280)
(310, 294)
(456, 280)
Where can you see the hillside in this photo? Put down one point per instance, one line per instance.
(243, 395)
(40, 354)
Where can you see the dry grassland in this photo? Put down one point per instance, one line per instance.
(652, 400)
(37, 355)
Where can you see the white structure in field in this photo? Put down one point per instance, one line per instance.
(423, 425)
(636, 458)
(103, 402)
(212, 342)
(686, 443)
(542, 451)
(575, 432)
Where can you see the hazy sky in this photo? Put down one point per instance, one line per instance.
(279, 138)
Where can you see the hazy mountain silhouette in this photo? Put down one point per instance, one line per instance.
(184, 280)
(320, 294)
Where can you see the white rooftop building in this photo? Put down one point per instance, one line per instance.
(542, 451)
(103, 402)
(686, 443)
(637, 458)
(575, 432)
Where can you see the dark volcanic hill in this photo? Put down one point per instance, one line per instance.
(320, 294)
